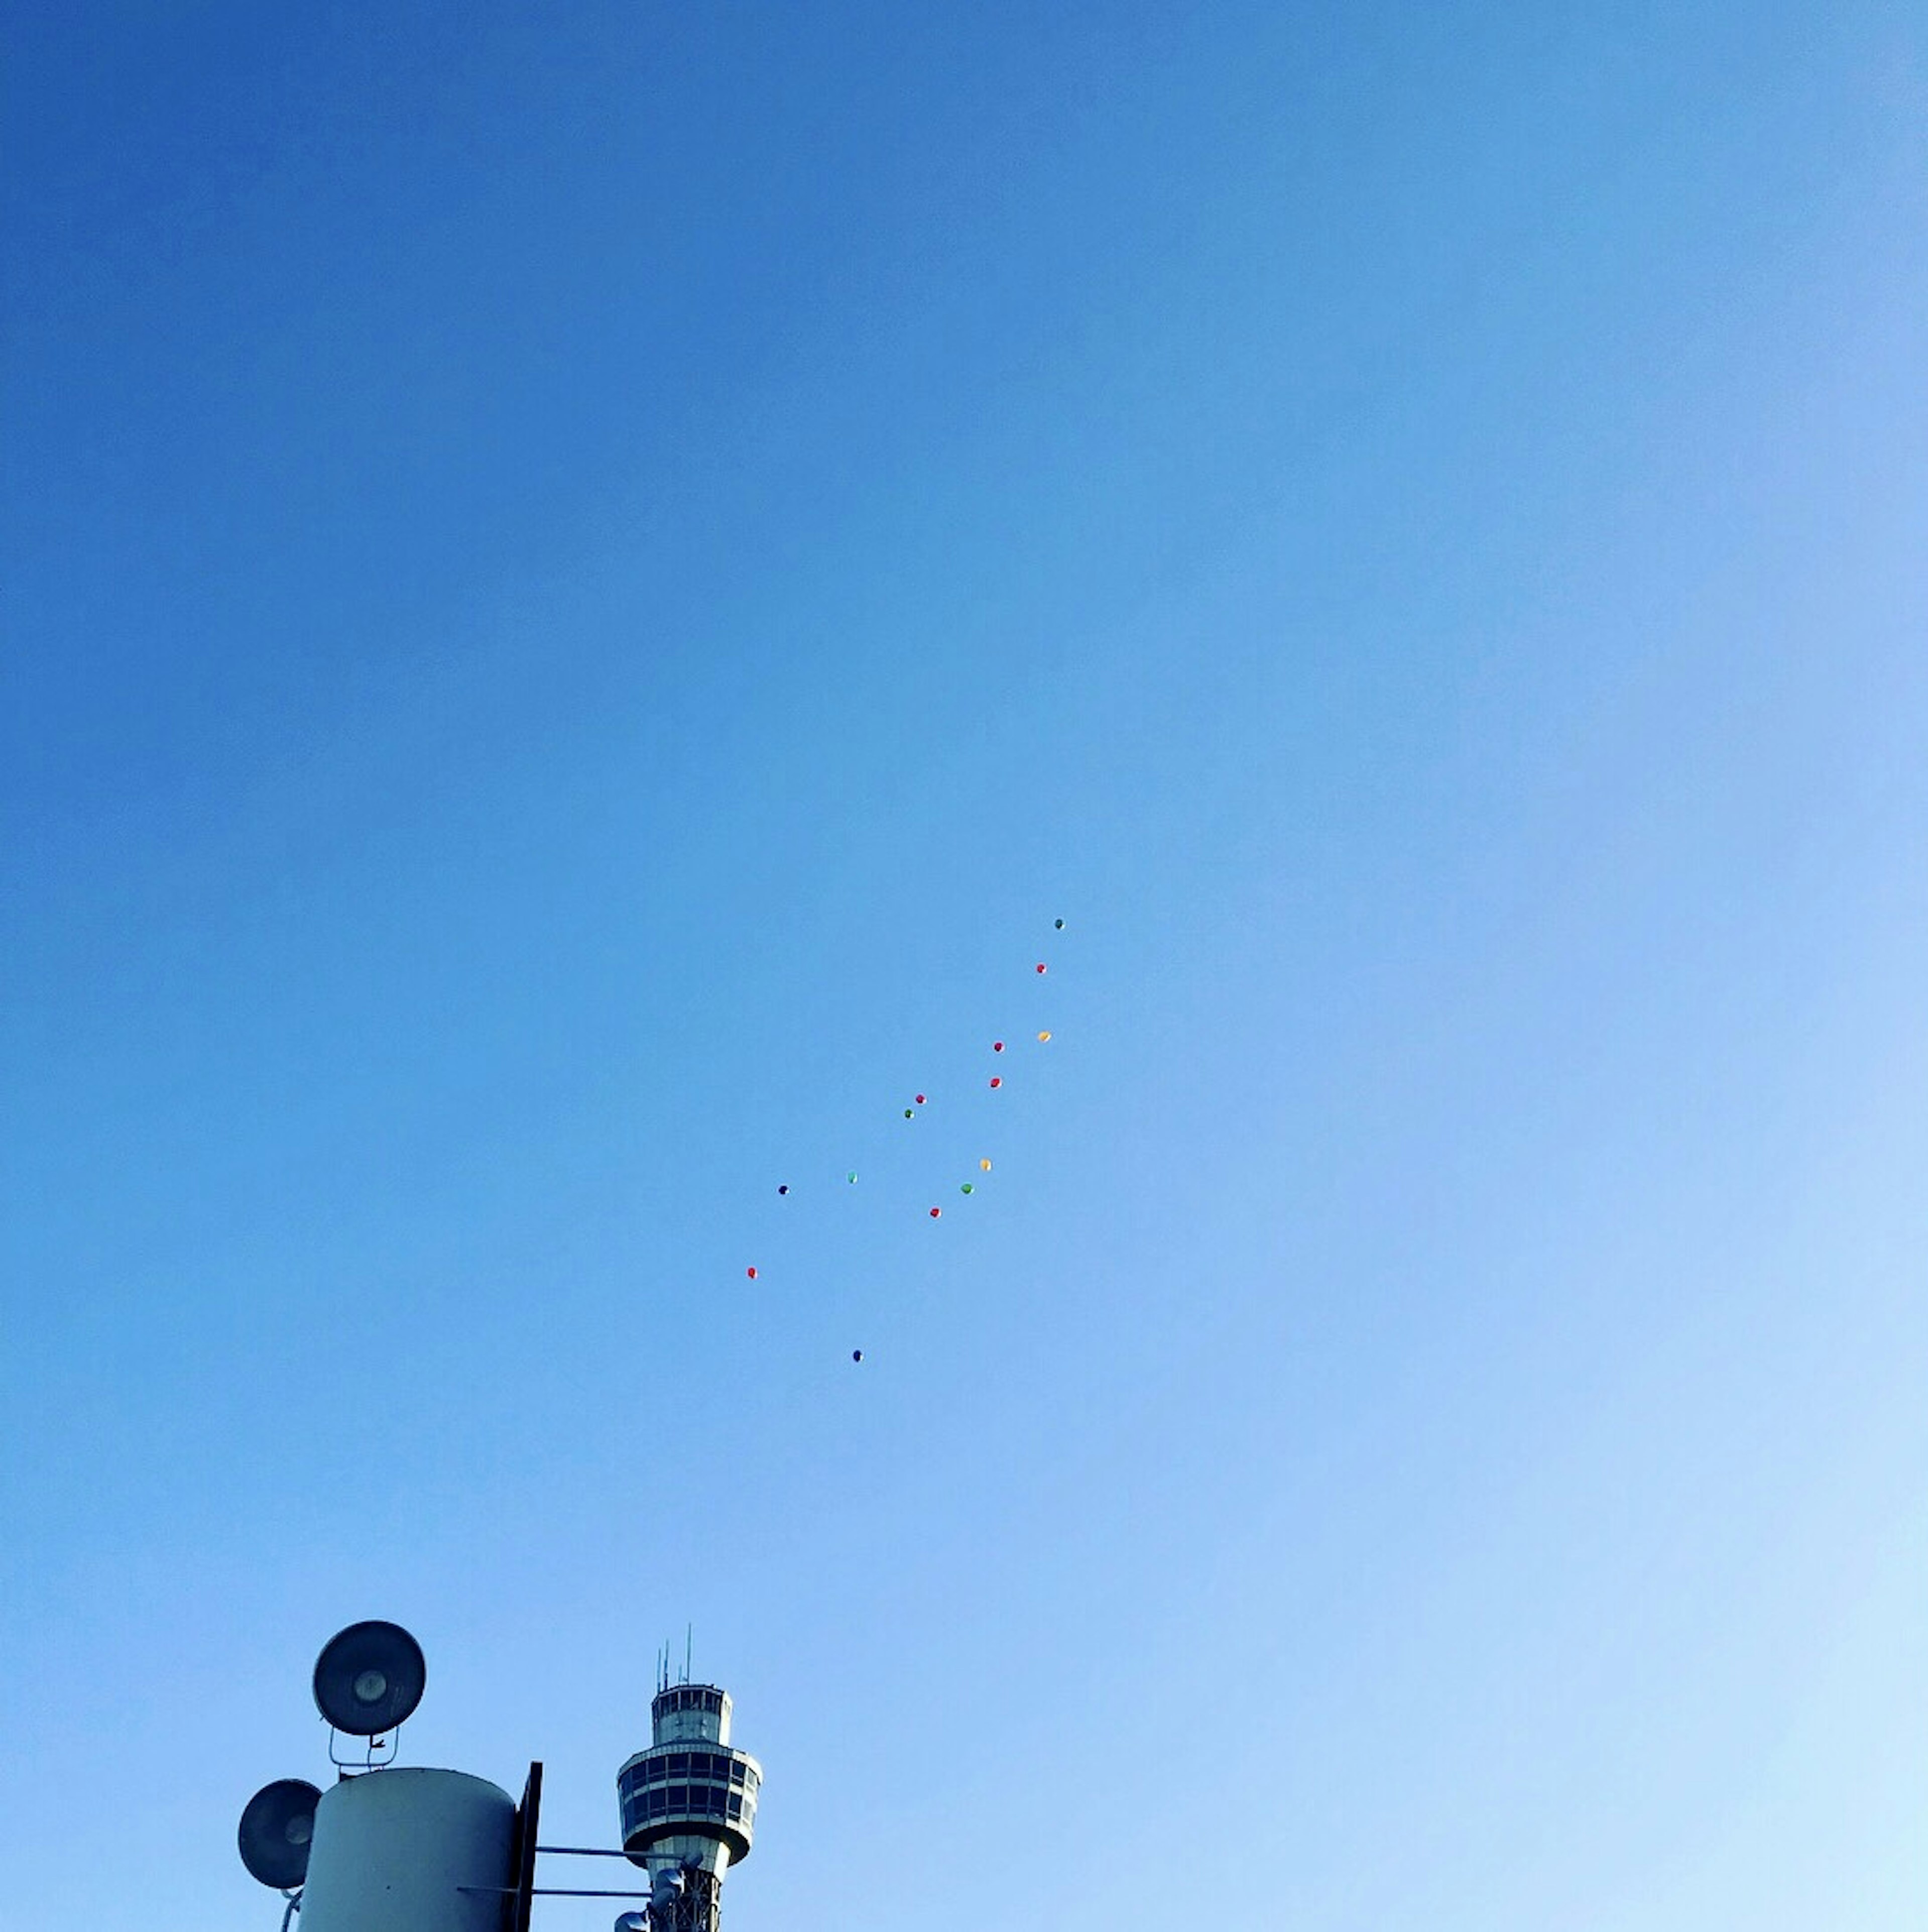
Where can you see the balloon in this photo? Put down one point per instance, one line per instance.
(997, 1046)
(910, 1113)
(995, 1082)
(1045, 1034)
(784, 1188)
(852, 1177)
(967, 1189)
(857, 1354)
(985, 1163)
(752, 1273)
(1041, 965)
(936, 1213)
(1059, 923)
(920, 1099)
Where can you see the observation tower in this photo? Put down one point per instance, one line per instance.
(688, 1805)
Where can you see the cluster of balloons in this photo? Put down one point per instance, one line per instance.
(910, 1113)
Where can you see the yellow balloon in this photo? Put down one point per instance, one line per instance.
(1043, 1036)
(985, 1164)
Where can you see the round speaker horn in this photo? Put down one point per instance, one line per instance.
(275, 1829)
(369, 1677)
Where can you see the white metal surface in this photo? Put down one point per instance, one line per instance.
(391, 1848)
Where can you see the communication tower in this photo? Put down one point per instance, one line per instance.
(688, 1804)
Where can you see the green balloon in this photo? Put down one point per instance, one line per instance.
(910, 1113)
(966, 1189)
(852, 1177)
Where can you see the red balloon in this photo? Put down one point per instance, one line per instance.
(996, 1082)
(1041, 965)
(997, 1046)
(936, 1213)
(920, 1099)
(752, 1273)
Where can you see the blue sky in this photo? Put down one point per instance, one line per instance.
(584, 585)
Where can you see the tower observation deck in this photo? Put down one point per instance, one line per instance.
(688, 1805)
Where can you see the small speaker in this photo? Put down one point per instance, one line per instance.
(369, 1677)
(275, 1829)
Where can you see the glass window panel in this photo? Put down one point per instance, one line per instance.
(678, 1762)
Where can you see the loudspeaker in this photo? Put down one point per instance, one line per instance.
(369, 1677)
(275, 1829)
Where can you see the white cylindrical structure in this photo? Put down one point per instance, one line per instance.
(392, 1850)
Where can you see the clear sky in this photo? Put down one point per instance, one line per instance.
(584, 583)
